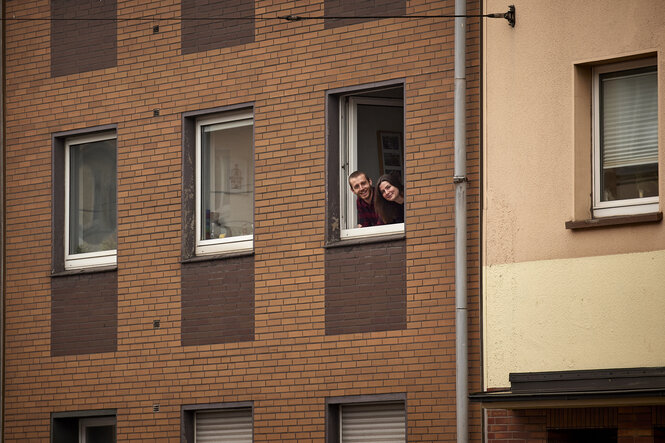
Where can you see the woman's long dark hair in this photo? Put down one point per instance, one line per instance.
(389, 211)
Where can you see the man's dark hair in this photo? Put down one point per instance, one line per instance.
(357, 174)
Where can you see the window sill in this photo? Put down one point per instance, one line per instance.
(92, 270)
(653, 217)
(220, 256)
(366, 240)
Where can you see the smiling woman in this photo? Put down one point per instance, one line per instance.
(389, 199)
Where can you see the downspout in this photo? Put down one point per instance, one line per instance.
(2, 221)
(460, 180)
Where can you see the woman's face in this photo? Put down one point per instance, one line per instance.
(388, 191)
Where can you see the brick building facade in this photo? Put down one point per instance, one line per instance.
(295, 321)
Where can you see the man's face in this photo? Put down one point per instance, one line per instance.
(362, 187)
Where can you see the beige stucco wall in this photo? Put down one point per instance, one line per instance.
(580, 313)
(556, 299)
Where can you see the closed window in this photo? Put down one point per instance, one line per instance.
(224, 183)
(90, 201)
(229, 425)
(218, 423)
(379, 418)
(381, 422)
(625, 113)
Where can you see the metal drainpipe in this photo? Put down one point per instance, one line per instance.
(2, 222)
(460, 180)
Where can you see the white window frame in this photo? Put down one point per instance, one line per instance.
(86, 259)
(615, 207)
(240, 243)
(84, 423)
(349, 163)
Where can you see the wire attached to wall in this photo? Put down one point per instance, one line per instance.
(510, 16)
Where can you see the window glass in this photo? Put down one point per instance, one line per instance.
(626, 149)
(372, 128)
(225, 186)
(91, 200)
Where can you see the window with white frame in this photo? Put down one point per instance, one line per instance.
(224, 425)
(384, 422)
(225, 183)
(90, 201)
(371, 140)
(84, 427)
(97, 430)
(625, 138)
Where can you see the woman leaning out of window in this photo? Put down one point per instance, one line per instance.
(389, 201)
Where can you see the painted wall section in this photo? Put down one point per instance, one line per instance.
(529, 124)
(569, 314)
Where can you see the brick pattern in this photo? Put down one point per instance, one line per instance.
(292, 365)
(83, 36)
(218, 301)
(234, 24)
(637, 424)
(84, 314)
(366, 288)
(362, 8)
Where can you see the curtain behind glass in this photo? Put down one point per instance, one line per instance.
(92, 197)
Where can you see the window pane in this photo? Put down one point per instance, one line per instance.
(92, 197)
(629, 134)
(227, 180)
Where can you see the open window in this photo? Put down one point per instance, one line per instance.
(224, 182)
(90, 174)
(625, 138)
(370, 140)
(84, 427)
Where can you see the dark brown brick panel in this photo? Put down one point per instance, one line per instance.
(218, 301)
(365, 288)
(361, 8)
(84, 313)
(236, 27)
(87, 40)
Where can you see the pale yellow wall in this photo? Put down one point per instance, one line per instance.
(556, 299)
(581, 313)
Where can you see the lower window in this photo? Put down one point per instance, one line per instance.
(217, 424)
(359, 421)
(84, 427)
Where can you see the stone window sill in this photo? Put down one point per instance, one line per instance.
(654, 217)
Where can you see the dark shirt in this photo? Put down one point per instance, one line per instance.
(367, 216)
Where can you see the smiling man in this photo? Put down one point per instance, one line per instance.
(362, 187)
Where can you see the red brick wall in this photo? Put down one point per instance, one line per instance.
(633, 424)
(291, 366)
